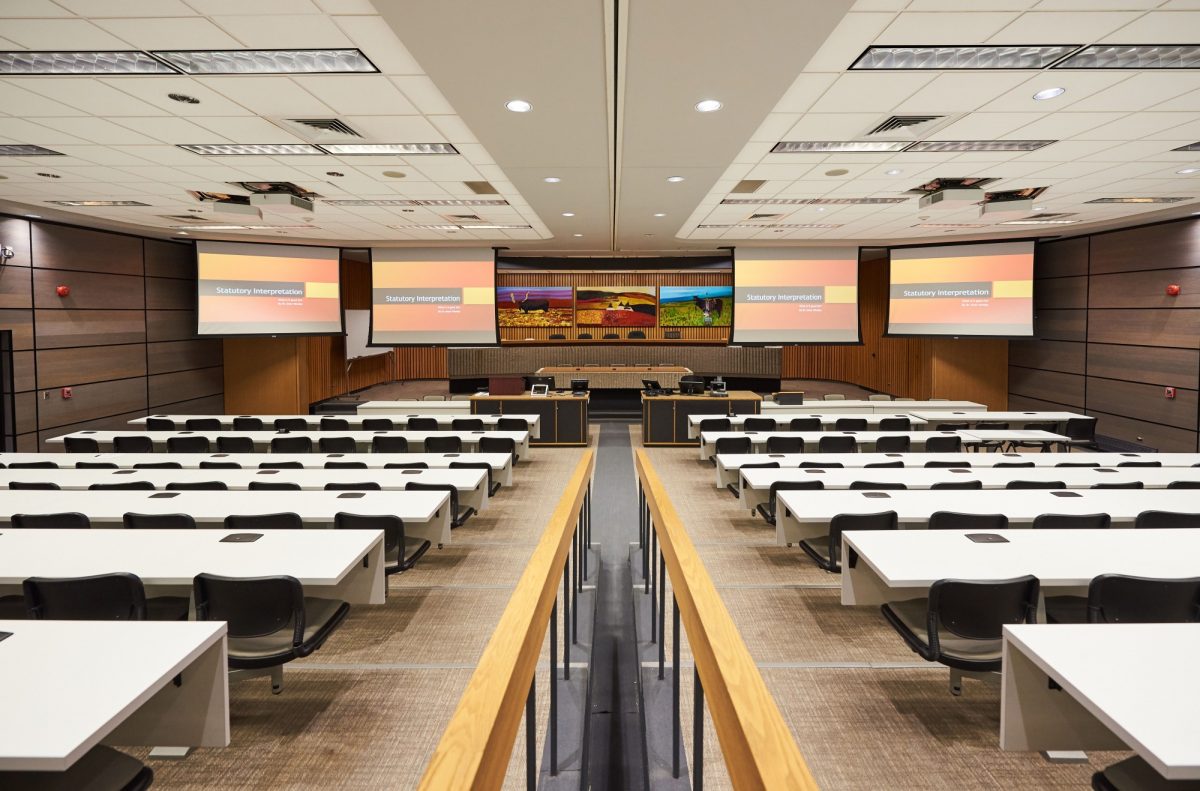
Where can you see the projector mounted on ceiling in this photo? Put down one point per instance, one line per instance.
(282, 203)
(1010, 203)
(950, 198)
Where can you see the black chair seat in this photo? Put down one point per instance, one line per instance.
(235, 444)
(12, 608)
(493, 486)
(167, 608)
(1134, 774)
(910, 618)
(321, 617)
(100, 769)
(399, 551)
(826, 551)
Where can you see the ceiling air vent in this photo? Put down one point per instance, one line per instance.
(463, 217)
(319, 130)
(482, 187)
(897, 122)
(746, 186)
(764, 216)
(331, 125)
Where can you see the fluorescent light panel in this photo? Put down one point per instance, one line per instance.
(979, 145)
(268, 61)
(251, 149)
(1188, 147)
(951, 225)
(242, 227)
(828, 147)
(1125, 56)
(809, 201)
(774, 225)
(130, 62)
(409, 202)
(385, 149)
(970, 57)
(27, 150)
(97, 203)
(425, 227)
(1139, 200)
(1039, 222)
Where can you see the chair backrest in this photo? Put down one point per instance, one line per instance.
(1077, 464)
(1081, 428)
(281, 465)
(822, 465)
(408, 465)
(67, 520)
(159, 521)
(954, 520)
(291, 424)
(391, 525)
(991, 425)
(879, 397)
(248, 424)
(874, 486)
(252, 606)
(805, 424)
(609, 336)
(759, 424)
(837, 443)
(584, 336)
(335, 424)
(133, 445)
(716, 424)
(197, 486)
(834, 397)
(159, 424)
(364, 486)
(957, 485)
(433, 397)
(95, 465)
(81, 445)
(780, 444)
(1013, 464)
(473, 465)
(378, 424)
(512, 424)
(252, 522)
(895, 424)
(951, 426)
(202, 424)
(1119, 598)
(337, 445)
(1125, 485)
(557, 336)
(1071, 522)
(637, 334)
(466, 424)
(389, 444)
(497, 445)
(1041, 426)
(884, 520)
(980, 610)
(158, 465)
(1035, 485)
(437, 487)
(443, 444)
(187, 445)
(235, 445)
(897, 444)
(850, 424)
(220, 465)
(103, 597)
(33, 485)
(1166, 519)
(123, 486)
(291, 445)
(949, 464)
(887, 464)
(272, 486)
(943, 444)
(733, 445)
(33, 465)
(1184, 485)
(1140, 464)
(345, 465)
(422, 424)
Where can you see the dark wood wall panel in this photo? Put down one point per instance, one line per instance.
(89, 290)
(68, 247)
(23, 371)
(170, 259)
(21, 324)
(170, 325)
(1142, 402)
(183, 355)
(208, 405)
(1065, 356)
(61, 328)
(92, 402)
(14, 286)
(79, 365)
(170, 294)
(1162, 246)
(1060, 325)
(1179, 328)
(1154, 435)
(1062, 259)
(1018, 403)
(1046, 385)
(27, 443)
(1143, 364)
(1061, 292)
(1146, 289)
(26, 406)
(185, 385)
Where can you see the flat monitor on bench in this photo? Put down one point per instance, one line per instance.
(532, 381)
(691, 386)
(651, 386)
(579, 385)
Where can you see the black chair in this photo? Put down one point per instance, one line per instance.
(250, 523)
(422, 424)
(281, 465)
(158, 465)
(733, 487)
(1035, 443)
(895, 424)
(235, 445)
(837, 443)
(512, 424)
(248, 424)
(291, 424)
(782, 444)
(884, 464)
(493, 486)
(220, 465)
(726, 445)
(876, 486)
(202, 424)
(337, 445)
(759, 424)
(1134, 774)
(81, 445)
(335, 424)
(345, 465)
(443, 444)
(1125, 485)
(12, 608)
(364, 486)
(117, 770)
(378, 424)
(1081, 433)
(400, 553)
(827, 551)
(958, 485)
(272, 486)
(897, 444)
(952, 427)
(466, 424)
(954, 520)
(1072, 522)
(1035, 485)
(850, 424)
(805, 424)
(159, 424)
(1120, 598)
(822, 465)
(991, 445)
(159, 521)
(499, 445)
(33, 485)
(1077, 464)
(33, 465)
(768, 509)
(1184, 485)
(458, 515)
(389, 444)
(270, 620)
(636, 334)
(557, 336)
(188, 445)
(133, 444)
(67, 520)
(716, 424)
(128, 486)
(584, 336)
(610, 336)
(408, 465)
(964, 465)
(1165, 519)
(1140, 464)
(291, 445)
(961, 624)
(95, 465)
(1000, 465)
(197, 486)
(944, 444)
(118, 596)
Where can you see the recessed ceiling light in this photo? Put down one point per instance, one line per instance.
(34, 216)
(384, 149)
(81, 63)
(26, 150)
(518, 106)
(577, 235)
(183, 97)
(568, 214)
(1048, 93)
(674, 179)
(837, 172)
(660, 214)
(979, 145)
(707, 106)
(1125, 56)
(1039, 208)
(552, 179)
(181, 233)
(1188, 171)
(893, 172)
(969, 57)
(394, 174)
(827, 146)
(251, 149)
(267, 61)
(97, 203)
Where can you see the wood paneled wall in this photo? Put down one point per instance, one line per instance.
(123, 340)
(758, 362)
(1110, 339)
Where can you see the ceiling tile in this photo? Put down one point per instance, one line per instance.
(942, 28)
(19, 130)
(14, 9)
(775, 126)
(423, 94)
(1157, 27)
(167, 130)
(1141, 91)
(984, 126)
(273, 96)
(1078, 84)
(379, 43)
(284, 31)
(1055, 27)
(18, 102)
(853, 34)
(831, 126)
(59, 34)
(955, 93)
(451, 127)
(1136, 126)
(235, 7)
(346, 6)
(100, 9)
(870, 91)
(975, 5)
(1059, 126)
(400, 128)
(88, 95)
(804, 91)
(156, 91)
(358, 94)
(172, 33)
(95, 130)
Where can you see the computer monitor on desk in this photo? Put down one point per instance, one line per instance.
(532, 381)
(691, 387)
(579, 385)
(651, 386)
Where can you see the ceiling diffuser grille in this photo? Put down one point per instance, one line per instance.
(898, 122)
(328, 125)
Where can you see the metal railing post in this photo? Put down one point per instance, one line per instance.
(554, 688)
(531, 736)
(698, 735)
(675, 724)
(662, 614)
(567, 621)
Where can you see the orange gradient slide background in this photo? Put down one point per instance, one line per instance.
(832, 273)
(471, 320)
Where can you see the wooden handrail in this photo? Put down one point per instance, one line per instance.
(759, 750)
(476, 746)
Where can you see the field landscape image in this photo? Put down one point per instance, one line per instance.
(534, 306)
(695, 306)
(619, 306)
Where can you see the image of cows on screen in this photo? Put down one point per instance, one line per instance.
(695, 306)
(535, 306)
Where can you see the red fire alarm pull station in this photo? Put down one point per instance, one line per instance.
(66, 392)
(1169, 392)
(63, 291)
(1173, 290)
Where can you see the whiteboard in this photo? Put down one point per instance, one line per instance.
(358, 325)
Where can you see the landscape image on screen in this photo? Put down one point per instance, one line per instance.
(535, 306)
(695, 306)
(615, 306)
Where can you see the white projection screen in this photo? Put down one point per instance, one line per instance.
(793, 295)
(433, 297)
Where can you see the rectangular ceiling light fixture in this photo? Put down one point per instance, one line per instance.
(243, 227)
(97, 203)
(35, 63)
(462, 202)
(27, 150)
(952, 225)
(809, 201)
(410, 202)
(1143, 56)
(970, 57)
(758, 226)
(1039, 222)
(387, 149)
(251, 149)
(268, 61)
(425, 227)
(1159, 199)
(832, 147)
(979, 145)
(1188, 147)
(496, 227)
(856, 201)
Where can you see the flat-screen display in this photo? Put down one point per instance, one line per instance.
(267, 289)
(795, 295)
(433, 297)
(963, 289)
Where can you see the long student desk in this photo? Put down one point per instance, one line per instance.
(336, 564)
(425, 514)
(665, 418)
(783, 419)
(867, 439)
(262, 439)
(69, 686)
(459, 408)
(563, 417)
(354, 421)
(1013, 418)
(729, 463)
(501, 463)
(806, 514)
(1117, 687)
(908, 407)
(472, 485)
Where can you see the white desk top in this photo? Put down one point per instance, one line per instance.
(355, 421)
(459, 407)
(732, 461)
(1139, 680)
(67, 684)
(826, 418)
(970, 416)
(310, 460)
(816, 405)
(469, 438)
(240, 479)
(870, 437)
(991, 478)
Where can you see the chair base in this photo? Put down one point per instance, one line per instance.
(1134, 774)
(957, 676)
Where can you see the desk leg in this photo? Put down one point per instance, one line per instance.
(861, 586)
(436, 530)
(477, 498)
(506, 473)
(364, 584)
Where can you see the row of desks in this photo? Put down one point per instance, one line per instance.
(445, 421)
(915, 419)
(769, 408)
(866, 439)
